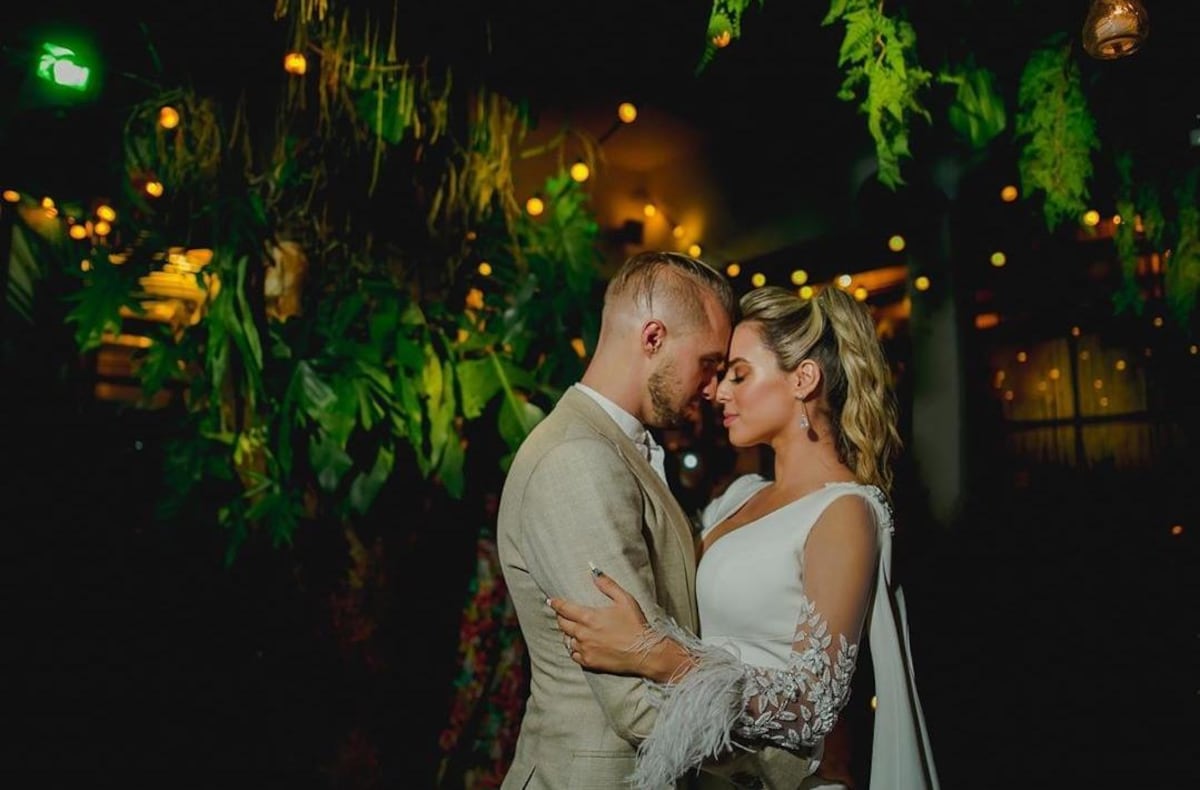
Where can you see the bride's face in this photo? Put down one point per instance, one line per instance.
(758, 400)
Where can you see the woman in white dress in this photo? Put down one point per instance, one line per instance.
(792, 569)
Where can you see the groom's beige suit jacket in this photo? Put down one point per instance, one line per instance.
(580, 490)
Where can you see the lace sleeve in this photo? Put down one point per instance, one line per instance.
(722, 702)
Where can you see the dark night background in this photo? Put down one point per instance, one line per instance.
(1054, 624)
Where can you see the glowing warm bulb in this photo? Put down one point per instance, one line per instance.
(722, 39)
(580, 171)
(295, 63)
(1121, 365)
(1091, 218)
(535, 206)
(1055, 373)
(758, 279)
(1116, 219)
(1022, 357)
(1177, 529)
(168, 117)
(677, 231)
(485, 268)
(580, 348)
(102, 228)
(733, 270)
(999, 259)
(649, 209)
(1075, 331)
(106, 213)
(922, 283)
(861, 294)
(47, 203)
(896, 243)
(85, 265)
(806, 292)
(844, 280)
(1158, 321)
(78, 232)
(694, 250)
(154, 188)
(627, 112)
(799, 277)
(12, 195)
(1009, 193)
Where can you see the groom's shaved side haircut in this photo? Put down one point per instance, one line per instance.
(669, 284)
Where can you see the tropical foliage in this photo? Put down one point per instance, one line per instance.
(374, 287)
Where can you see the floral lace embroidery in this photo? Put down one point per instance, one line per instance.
(798, 705)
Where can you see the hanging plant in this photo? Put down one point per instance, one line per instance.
(883, 75)
(977, 113)
(1058, 134)
(724, 26)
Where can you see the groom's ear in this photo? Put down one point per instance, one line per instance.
(654, 333)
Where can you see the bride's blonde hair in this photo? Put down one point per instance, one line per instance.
(837, 333)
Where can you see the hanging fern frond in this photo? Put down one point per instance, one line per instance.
(1058, 132)
(883, 74)
(724, 26)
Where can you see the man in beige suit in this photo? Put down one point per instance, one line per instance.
(588, 486)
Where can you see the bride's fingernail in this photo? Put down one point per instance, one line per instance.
(595, 571)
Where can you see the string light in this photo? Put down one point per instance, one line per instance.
(999, 259)
(897, 243)
(1091, 218)
(733, 269)
(535, 206)
(649, 210)
(678, 231)
(694, 250)
(922, 283)
(806, 292)
(154, 188)
(844, 280)
(485, 268)
(295, 63)
(861, 294)
(12, 195)
(799, 277)
(627, 112)
(758, 279)
(580, 171)
(168, 117)
(1009, 193)
(78, 232)
(106, 213)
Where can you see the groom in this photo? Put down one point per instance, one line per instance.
(588, 486)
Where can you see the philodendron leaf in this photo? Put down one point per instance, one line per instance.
(329, 460)
(366, 486)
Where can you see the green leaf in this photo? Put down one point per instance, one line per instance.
(479, 381)
(366, 486)
(329, 459)
(517, 418)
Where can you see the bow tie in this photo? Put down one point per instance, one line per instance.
(653, 452)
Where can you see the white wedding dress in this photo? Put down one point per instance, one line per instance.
(775, 667)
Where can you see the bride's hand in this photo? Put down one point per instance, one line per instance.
(604, 638)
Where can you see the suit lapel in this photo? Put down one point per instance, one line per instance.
(677, 521)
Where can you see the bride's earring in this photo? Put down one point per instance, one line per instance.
(803, 415)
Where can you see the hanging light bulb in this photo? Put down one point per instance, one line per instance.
(1115, 28)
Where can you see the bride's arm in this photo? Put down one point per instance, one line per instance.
(709, 695)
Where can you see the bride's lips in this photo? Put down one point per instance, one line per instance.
(727, 419)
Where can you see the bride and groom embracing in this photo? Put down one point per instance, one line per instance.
(730, 651)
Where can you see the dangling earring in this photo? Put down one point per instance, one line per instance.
(803, 415)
